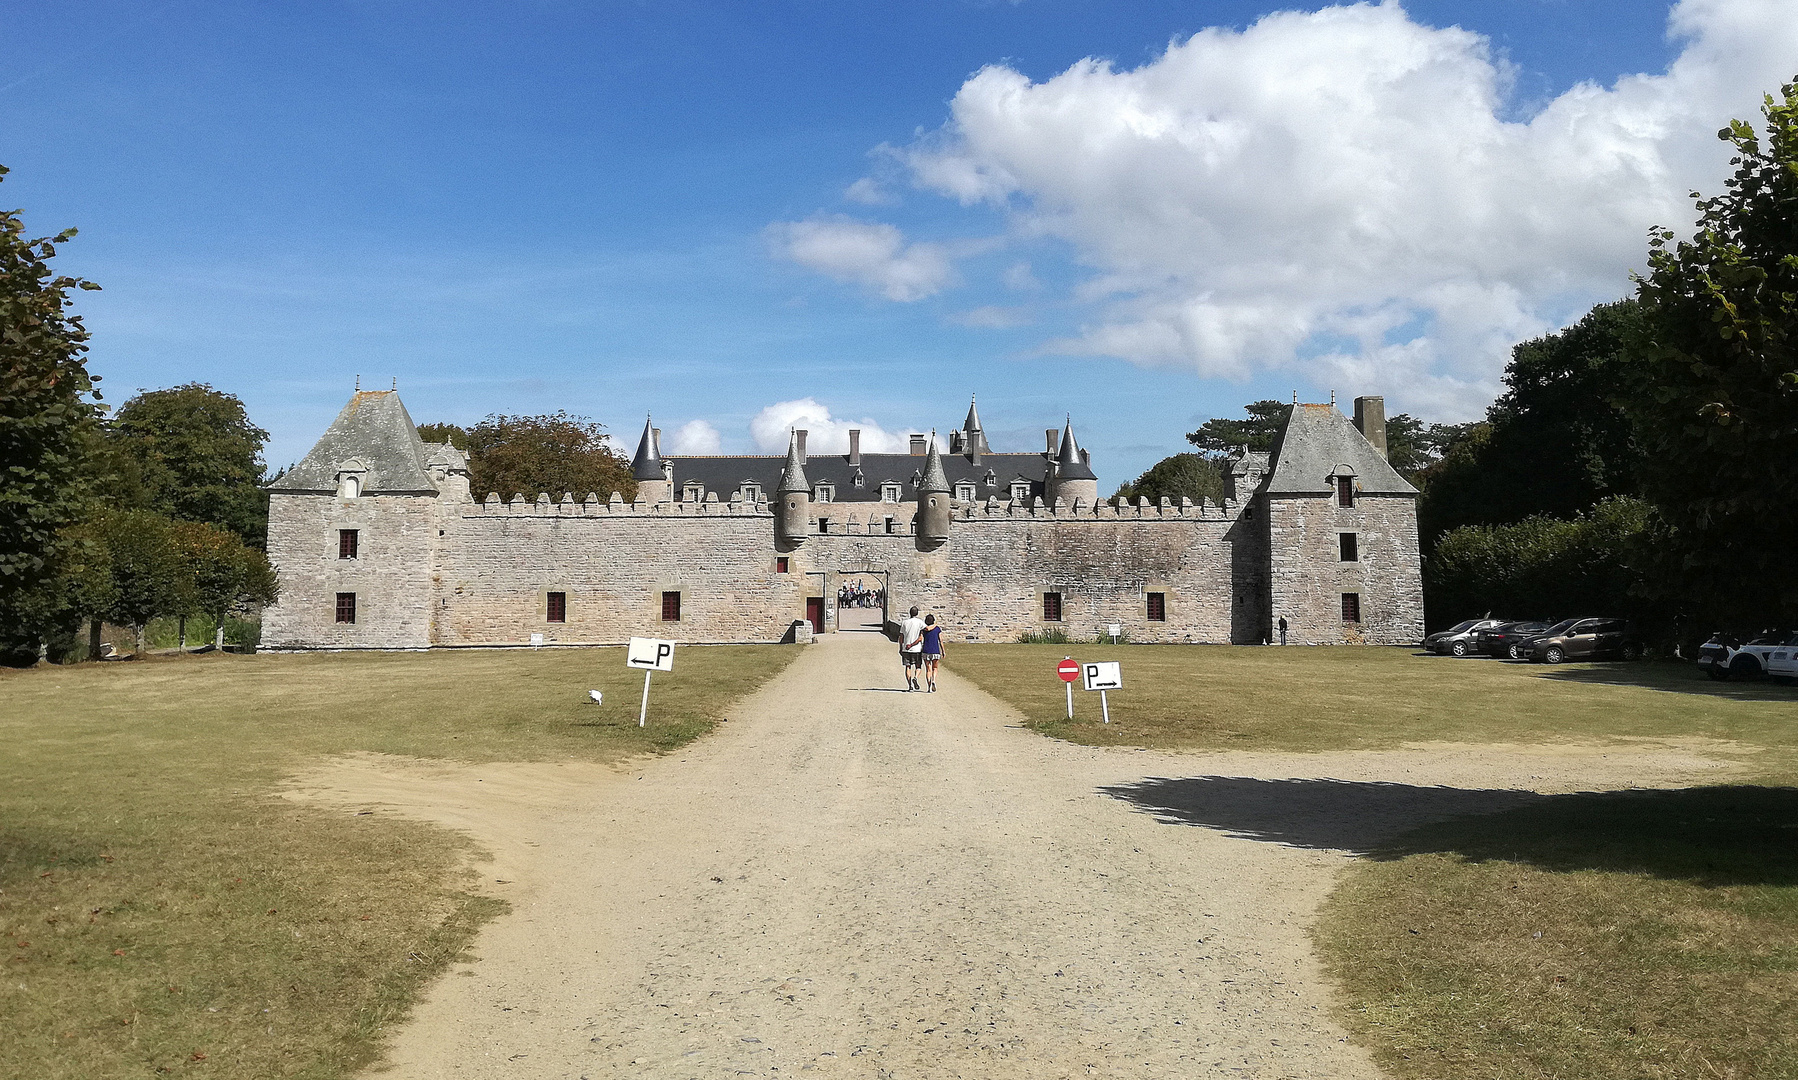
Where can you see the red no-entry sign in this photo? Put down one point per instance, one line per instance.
(1068, 670)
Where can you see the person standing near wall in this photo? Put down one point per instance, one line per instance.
(911, 648)
(933, 651)
(1282, 629)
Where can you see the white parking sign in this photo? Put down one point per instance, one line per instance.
(651, 654)
(1106, 675)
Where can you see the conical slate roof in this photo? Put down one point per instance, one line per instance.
(375, 432)
(1319, 442)
(792, 478)
(647, 465)
(934, 479)
(975, 439)
(1068, 464)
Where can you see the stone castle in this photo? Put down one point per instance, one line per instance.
(379, 543)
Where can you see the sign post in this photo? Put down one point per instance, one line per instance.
(1069, 671)
(652, 655)
(1103, 676)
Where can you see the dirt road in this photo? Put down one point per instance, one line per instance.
(851, 880)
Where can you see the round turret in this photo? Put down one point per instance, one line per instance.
(653, 484)
(933, 501)
(1073, 480)
(792, 500)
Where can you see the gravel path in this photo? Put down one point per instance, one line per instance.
(853, 880)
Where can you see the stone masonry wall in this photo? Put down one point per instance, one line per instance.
(397, 538)
(1308, 576)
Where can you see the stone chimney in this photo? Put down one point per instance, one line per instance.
(855, 446)
(1050, 437)
(1370, 418)
(917, 446)
(799, 441)
(658, 439)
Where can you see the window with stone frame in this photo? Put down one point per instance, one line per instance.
(1051, 607)
(965, 492)
(824, 493)
(892, 526)
(891, 493)
(671, 606)
(1345, 491)
(347, 540)
(1157, 607)
(752, 493)
(1020, 492)
(823, 525)
(346, 607)
(556, 607)
(1351, 607)
(1348, 547)
(693, 493)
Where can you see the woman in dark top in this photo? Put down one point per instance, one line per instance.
(933, 651)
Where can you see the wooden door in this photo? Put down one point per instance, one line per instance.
(814, 612)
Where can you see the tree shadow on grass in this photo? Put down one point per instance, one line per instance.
(1680, 678)
(1710, 836)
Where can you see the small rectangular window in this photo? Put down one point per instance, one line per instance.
(1051, 607)
(1350, 547)
(1157, 607)
(823, 525)
(671, 607)
(1351, 607)
(892, 526)
(346, 543)
(1020, 492)
(964, 492)
(1345, 491)
(780, 565)
(558, 608)
(346, 607)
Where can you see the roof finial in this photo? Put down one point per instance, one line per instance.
(1332, 398)
(358, 384)
(396, 383)
(1295, 397)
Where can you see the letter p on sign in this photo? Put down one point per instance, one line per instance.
(1107, 675)
(650, 654)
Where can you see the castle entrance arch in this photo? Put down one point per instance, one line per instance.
(861, 600)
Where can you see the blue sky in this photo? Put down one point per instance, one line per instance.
(740, 217)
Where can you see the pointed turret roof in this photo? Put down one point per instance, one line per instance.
(647, 465)
(975, 442)
(1068, 465)
(374, 432)
(934, 479)
(973, 422)
(792, 478)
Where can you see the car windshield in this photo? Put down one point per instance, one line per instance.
(1560, 628)
(1460, 626)
(1771, 637)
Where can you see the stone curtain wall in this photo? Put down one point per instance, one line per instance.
(1308, 577)
(397, 543)
(485, 580)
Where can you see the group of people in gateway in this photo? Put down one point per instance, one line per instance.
(856, 595)
(920, 651)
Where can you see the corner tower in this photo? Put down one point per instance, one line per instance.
(646, 467)
(933, 500)
(1074, 479)
(792, 499)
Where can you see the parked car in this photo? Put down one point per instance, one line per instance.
(1505, 640)
(1457, 640)
(1585, 639)
(1771, 652)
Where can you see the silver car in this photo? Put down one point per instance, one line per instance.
(1457, 640)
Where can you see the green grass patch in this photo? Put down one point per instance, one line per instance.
(1631, 934)
(164, 913)
(1211, 697)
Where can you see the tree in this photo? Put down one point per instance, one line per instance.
(48, 416)
(149, 575)
(1191, 476)
(554, 453)
(1555, 443)
(1715, 399)
(1221, 436)
(1413, 446)
(191, 453)
(222, 572)
(453, 434)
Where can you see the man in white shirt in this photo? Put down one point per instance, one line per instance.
(911, 648)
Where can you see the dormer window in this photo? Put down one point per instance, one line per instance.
(858, 479)
(1020, 492)
(752, 493)
(824, 493)
(1345, 491)
(350, 487)
(964, 492)
(890, 493)
(693, 493)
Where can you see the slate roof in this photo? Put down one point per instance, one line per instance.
(647, 464)
(1068, 463)
(725, 474)
(375, 430)
(1318, 443)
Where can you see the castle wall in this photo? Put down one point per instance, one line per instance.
(1308, 576)
(397, 539)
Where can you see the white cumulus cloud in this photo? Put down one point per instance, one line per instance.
(695, 437)
(826, 434)
(871, 254)
(1343, 193)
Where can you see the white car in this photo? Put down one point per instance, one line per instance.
(1773, 653)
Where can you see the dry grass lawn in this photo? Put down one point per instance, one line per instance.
(165, 914)
(1636, 934)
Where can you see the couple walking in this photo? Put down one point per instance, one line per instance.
(920, 650)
